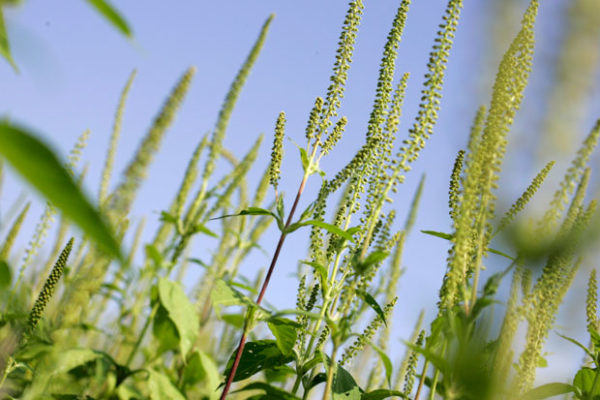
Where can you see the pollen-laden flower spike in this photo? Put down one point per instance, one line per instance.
(49, 287)
(412, 366)
(12, 233)
(591, 309)
(313, 119)
(454, 192)
(335, 135)
(343, 58)
(525, 197)
(277, 151)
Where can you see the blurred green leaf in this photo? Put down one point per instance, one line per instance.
(344, 387)
(165, 331)
(202, 371)
(111, 15)
(549, 390)
(448, 236)
(584, 381)
(328, 227)
(271, 392)
(181, 312)
(38, 165)
(4, 45)
(578, 344)
(5, 275)
(382, 394)
(257, 356)
(285, 332)
(160, 387)
(370, 300)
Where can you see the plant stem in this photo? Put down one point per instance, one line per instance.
(240, 349)
(330, 372)
(422, 380)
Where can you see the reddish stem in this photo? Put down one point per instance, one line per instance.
(240, 349)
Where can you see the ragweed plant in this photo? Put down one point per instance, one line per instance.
(123, 326)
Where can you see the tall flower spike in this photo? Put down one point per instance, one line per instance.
(49, 287)
(343, 58)
(591, 303)
(454, 192)
(277, 151)
(414, 206)
(230, 100)
(136, 170)
(525, 197)
(567, 185)
(432, 91)
(114, 138)
(313, 120)
(12, 233)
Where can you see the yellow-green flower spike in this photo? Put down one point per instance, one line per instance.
(230, 100)
(13, 232)
(114, 139)
(411, 369)
(313, 120)
(454, 191)
(432, 91)
(49, 287)
(525, 197)
(401, 375)
(277, 151)
(343, 58)
(567, 185)
(138, 167)
(591, 303)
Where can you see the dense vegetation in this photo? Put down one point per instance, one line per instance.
(92, 322)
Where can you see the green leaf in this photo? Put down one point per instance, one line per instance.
(271, 392)
(328, 227)
(304, 159)
(235, 320)
(254, 211)
(370, 300)
(548, 390)
(344, 387)
(112, 16)
(257, 356)
(321, 377)
(321, 271)
(205, 230)
(578, 344)
(387, 363)
(374, 258)
(224, 295)
(164, 331)
(4, 45)
(202, 372)
(448, 236)
(285, 332)
(38, 165)
(584, 380)
(280, 207)
(5, 275)
(382, 394)
(160, 387)
(181, 312)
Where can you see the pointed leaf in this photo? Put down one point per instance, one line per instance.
(181, 312)
(370, 300)
(271, 392)
(161, 387)
(328, 227)
(578, 344)
(5, 275)
(549, 390)
(38, 165)
(112, 16)
(4, 44)
(344, 387)
(285, 332)
(383, 394)
(257, 356)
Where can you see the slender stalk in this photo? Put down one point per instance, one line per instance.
(422, 380)
(330, 372)
(240, 349)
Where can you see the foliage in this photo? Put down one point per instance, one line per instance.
(215, 337)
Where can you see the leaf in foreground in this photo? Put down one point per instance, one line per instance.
(39, 166)
(112, 16)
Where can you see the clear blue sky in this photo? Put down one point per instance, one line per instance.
(74, 65)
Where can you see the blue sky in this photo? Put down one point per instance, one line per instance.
(74, 65)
